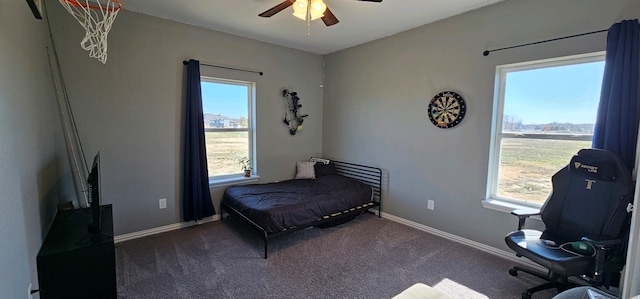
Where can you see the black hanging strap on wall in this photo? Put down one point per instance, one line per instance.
(486, 53)
(228, 68)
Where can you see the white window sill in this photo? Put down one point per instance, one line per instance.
(236, 180)
(506, 206)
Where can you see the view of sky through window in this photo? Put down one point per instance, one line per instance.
(562, 94)
(225, 99)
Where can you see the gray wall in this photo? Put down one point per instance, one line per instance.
(376, 98)
(130, 108)
(373, 112)
(28, 146)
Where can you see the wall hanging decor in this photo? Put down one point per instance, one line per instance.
(292, 117)
(446, 109)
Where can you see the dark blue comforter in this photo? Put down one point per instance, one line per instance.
(286, 204)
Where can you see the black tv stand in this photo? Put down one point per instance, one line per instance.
(76, 263)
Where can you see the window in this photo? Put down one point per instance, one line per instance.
(544, 112)
(228, 125)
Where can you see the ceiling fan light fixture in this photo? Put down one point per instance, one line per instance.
(300, 9)
(315, 8)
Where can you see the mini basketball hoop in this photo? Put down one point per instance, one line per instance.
(96, 17)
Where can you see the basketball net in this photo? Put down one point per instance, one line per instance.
(96, 17)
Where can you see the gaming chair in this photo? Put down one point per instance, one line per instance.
(586, 220)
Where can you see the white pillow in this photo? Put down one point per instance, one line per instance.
(305, 170)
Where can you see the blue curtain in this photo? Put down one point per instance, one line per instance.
(616, 126)
(196, 196)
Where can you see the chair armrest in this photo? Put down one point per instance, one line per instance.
(523, 214)
(601, 244)
(602, 241)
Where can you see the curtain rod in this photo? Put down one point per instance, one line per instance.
(486, 53)
(228, 68)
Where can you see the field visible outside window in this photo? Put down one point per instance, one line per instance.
(228, 125)
(545, 112)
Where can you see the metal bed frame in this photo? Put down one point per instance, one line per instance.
(368, 175)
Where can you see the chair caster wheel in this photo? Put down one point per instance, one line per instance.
(526, 295)
(514, 272)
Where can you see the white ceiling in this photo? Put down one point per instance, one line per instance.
(360, 22)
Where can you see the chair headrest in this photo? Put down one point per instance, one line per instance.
(596, 164)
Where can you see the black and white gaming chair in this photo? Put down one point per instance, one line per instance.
(586, 223)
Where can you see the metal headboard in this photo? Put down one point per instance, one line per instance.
(369, 175)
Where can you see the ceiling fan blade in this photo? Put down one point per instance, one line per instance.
(371, 0)
(329, 18)
(276, 9)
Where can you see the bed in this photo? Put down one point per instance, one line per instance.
(334, 193)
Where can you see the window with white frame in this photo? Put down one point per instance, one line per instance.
(544, 112)
(228, 125)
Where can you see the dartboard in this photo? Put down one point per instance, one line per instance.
(446, 109)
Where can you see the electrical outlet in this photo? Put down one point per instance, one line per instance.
(162, 202)
(430, 204)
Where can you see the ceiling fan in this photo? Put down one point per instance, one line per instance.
(307, 8)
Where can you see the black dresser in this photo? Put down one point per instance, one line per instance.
(74, 263)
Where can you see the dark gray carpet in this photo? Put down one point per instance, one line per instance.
(365, 258)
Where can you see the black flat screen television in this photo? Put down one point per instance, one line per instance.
(95, 226)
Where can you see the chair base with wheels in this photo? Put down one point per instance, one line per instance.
(561, 284)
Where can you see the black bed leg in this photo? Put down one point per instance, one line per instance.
(265, 246)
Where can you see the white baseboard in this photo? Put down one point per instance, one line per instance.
(483, 247)
(162, 229)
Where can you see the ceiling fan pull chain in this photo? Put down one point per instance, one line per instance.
(309, 18)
